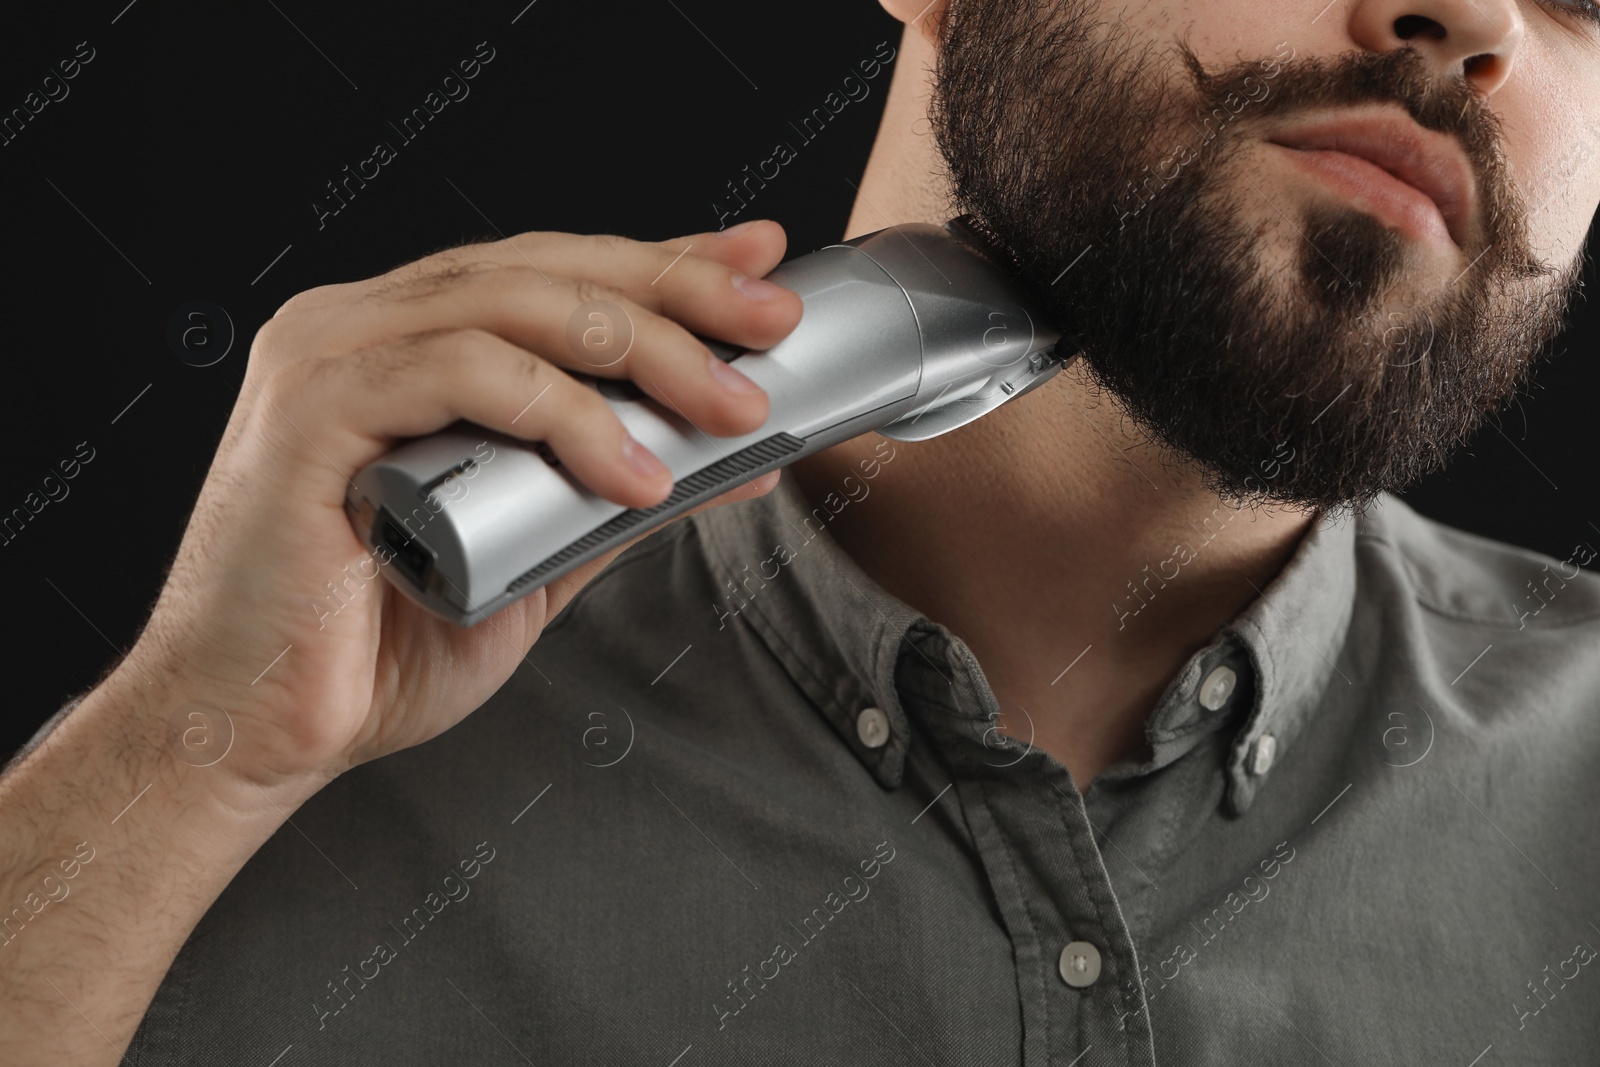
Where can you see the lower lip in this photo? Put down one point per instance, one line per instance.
(1404, 207)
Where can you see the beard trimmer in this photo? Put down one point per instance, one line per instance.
(911, 331)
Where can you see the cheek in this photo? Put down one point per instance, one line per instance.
(1222, 32)
(1551, 128)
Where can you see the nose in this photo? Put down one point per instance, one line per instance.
(1474, 39)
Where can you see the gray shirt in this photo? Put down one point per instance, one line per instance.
(742, 806)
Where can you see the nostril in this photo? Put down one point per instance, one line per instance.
(1409, 26)
(1472, 66)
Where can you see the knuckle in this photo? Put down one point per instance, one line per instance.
(470, 346)
(271, 342)
(469, 339)
(600, 324)
(664, 269)
(286, 334)
(268, 336)
(533, 248)
(589, 291)
(611, 242)
(528, 240)
(303, 300)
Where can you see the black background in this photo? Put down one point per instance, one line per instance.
(187, 156)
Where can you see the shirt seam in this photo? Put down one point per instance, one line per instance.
(1442, 611)
(776, 634)
(1028, 913)
(770, 632)
(1073, 832)
(758, 609)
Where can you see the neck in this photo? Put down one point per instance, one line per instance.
(1049, 533)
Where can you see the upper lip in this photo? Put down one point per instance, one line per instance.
(1389, 138)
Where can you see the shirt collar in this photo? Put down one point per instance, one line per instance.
(1294, 634)
(840, 636)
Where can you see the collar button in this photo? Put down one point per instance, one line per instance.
(872, 727)
(1218, 687)
(1261, 755)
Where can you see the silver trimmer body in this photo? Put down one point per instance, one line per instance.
(911, 331)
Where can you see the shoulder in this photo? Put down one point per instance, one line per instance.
(1465, 578)
(1478, 631)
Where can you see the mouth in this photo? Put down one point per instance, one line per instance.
(1416, 180)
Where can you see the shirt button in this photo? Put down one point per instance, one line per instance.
(1266, 747)
(1080, 964)
(872, 727)
(1217, 688)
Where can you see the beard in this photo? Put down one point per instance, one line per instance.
(1117, 187)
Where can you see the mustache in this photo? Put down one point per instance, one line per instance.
(1402, 76)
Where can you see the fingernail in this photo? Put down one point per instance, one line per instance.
(641, 458)
(756, 288)
(735, 231)
(732, 380)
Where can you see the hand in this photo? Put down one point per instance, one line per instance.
(342, 372)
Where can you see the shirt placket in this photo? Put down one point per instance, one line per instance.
(1076, 964)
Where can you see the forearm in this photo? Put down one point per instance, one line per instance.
(112, 846)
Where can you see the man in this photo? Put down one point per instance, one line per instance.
(1134, 723)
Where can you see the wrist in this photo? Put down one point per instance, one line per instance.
(240, 725)
(187, 740)
(103, 812)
